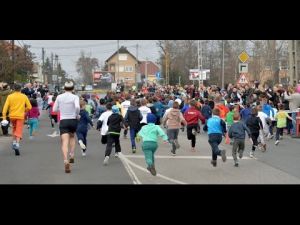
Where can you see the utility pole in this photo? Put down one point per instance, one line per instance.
(13, 60)
(43, 58)
(222, 64)
(146, 70)
(118, 76)
(137, 65)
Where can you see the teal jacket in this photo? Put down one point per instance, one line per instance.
(151, 132)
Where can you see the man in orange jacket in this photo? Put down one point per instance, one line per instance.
(17, 104)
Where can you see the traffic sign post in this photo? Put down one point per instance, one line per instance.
(243, 67)
(243, 57)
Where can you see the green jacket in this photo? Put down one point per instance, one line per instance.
(229, 118)
(151, 132)
(3, 97)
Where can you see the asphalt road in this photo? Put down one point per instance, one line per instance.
(41, 163)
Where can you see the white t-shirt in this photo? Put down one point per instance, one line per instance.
(68, 106)
(104, 117)
(144, 111)
(124, 107)
(263, 118)
(50, 99)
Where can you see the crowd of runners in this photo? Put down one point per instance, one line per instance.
(151, 113)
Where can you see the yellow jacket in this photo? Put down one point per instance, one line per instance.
(17, 104)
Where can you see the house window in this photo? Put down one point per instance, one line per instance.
(122, 57)
(112, 67)
(121, 68)
(128, 68)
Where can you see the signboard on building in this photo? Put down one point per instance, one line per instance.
(195, 75)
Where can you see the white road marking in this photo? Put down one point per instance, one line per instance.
(179, 157)
(129, 170)
(158, 175)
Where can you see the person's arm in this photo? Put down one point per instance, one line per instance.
(223, 126)
(77, 106)
(230, 132)
(55, 107)
(287, 115)
(201, 117)
(88, 118)
(260, 123)
(162, 134)
(182, 120)
(27, 104)
(247, 130)
(164, 120)
(5, 108)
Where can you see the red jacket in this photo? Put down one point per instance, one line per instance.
(192, 116)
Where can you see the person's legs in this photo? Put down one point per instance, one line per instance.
(110, 141)
(214, 141)
(72, 144)
(132, 137)
(149, 149)
(171, 137)
(30, 123)
(277, 134)
(65, 139)
(294, 115)
(34, 126)
(117, 143)
(104, 139)
(235, 148)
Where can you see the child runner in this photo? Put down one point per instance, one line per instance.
(216, 128)
(33, 116)
(255, 126)
(281, 118)
(192, 116)
(82, 128)
(149, 133)
(54, 117)
(237, 133)
(174, 120)
(115, 123)
(132, 119)
(102, 123)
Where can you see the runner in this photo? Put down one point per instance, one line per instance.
(237, 133)
(124, 107)
(54, 117)
(174, 120)
(281, 118)
(216, 128)
(115, 124)
(255, 126)
(82, 128)
(68, 105)
(102, 123)
(132, 120)
(4, 92)
(150, 133)
(16, 105)
(192, 117)
(145, 111)
(33, 118)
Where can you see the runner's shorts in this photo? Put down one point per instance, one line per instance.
(68, 126)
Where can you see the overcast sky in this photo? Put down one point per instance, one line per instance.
(68, 51)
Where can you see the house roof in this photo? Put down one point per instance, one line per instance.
(122, 50)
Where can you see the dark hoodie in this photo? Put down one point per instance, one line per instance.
(114, 123)
(133, 117)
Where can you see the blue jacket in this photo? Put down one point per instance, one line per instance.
(159, 108)
(185, 107)
(84, 121)
(245, 114)
(267, 109)
(237, 130)
(216, 126)
(206, 111)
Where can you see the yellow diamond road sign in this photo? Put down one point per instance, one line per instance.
(243, 56)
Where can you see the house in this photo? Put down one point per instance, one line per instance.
(125, 68)
(37, 74)
(148, 69)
